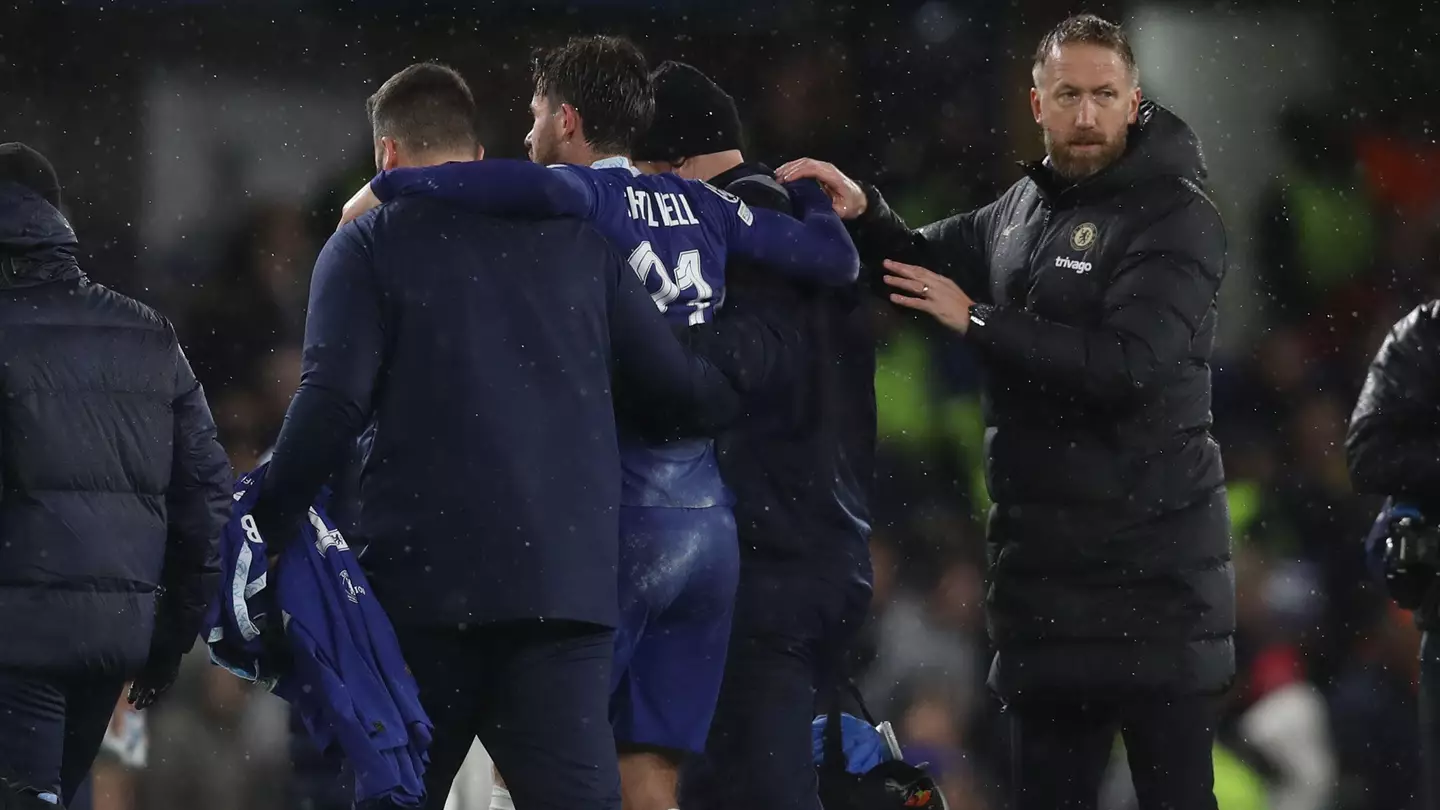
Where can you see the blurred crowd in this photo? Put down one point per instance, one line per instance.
(1348, 241)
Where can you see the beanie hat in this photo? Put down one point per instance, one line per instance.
(693, 116)
(21, 164)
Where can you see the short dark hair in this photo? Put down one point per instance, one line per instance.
(425, 106)
(607, 80)
(1090, 30)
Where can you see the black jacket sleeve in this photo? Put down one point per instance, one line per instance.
(681, 394)
(754, 340)
(344, 347)
(1157, 299)
(197, 504)
(754, 349)
(956, 247)
(1393, 445)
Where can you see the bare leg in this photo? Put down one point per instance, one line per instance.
(112, 787)
(649, 779)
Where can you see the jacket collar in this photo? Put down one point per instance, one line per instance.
(1159, 144)
(37, 244)
(734, 173)
(617, 162)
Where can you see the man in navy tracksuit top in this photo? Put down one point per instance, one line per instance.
(679, 556)
(800, 462)
(481, 353)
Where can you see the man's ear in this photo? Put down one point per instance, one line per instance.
(479, 151)
(389, 153)
(1035, 104)
(570, 122)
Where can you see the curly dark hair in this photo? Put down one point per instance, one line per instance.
(607, 81)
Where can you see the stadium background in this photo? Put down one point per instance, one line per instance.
(206, 148)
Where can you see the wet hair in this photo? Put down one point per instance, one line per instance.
(1086, 29)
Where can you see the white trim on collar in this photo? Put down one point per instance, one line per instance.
(617, 162)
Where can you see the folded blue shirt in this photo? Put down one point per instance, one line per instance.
(334, 656)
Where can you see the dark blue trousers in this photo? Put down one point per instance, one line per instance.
(51, 727)
(788, 641)
(84, 798)
(535, 693)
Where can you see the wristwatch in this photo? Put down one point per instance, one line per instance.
(980, 313)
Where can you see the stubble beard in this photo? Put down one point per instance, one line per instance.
(1074, 165)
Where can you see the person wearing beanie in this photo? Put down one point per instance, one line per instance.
(29, 169)
(696, 130)
(114, 492)
(800, 471)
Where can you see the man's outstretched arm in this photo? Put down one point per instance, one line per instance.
(516, 188)
(955, 247)
(811, 246)
(1159, 298)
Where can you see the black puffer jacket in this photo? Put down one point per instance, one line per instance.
(1393, 445)
(801, 462)
(1110, 566)
(1394, 441)
(111, 481)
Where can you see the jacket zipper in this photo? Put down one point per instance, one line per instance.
(1050, 205)
(1035, 248)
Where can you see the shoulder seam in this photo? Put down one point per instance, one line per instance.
(1195, 189)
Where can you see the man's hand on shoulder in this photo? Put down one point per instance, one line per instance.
(847, 197)
(362, 201)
